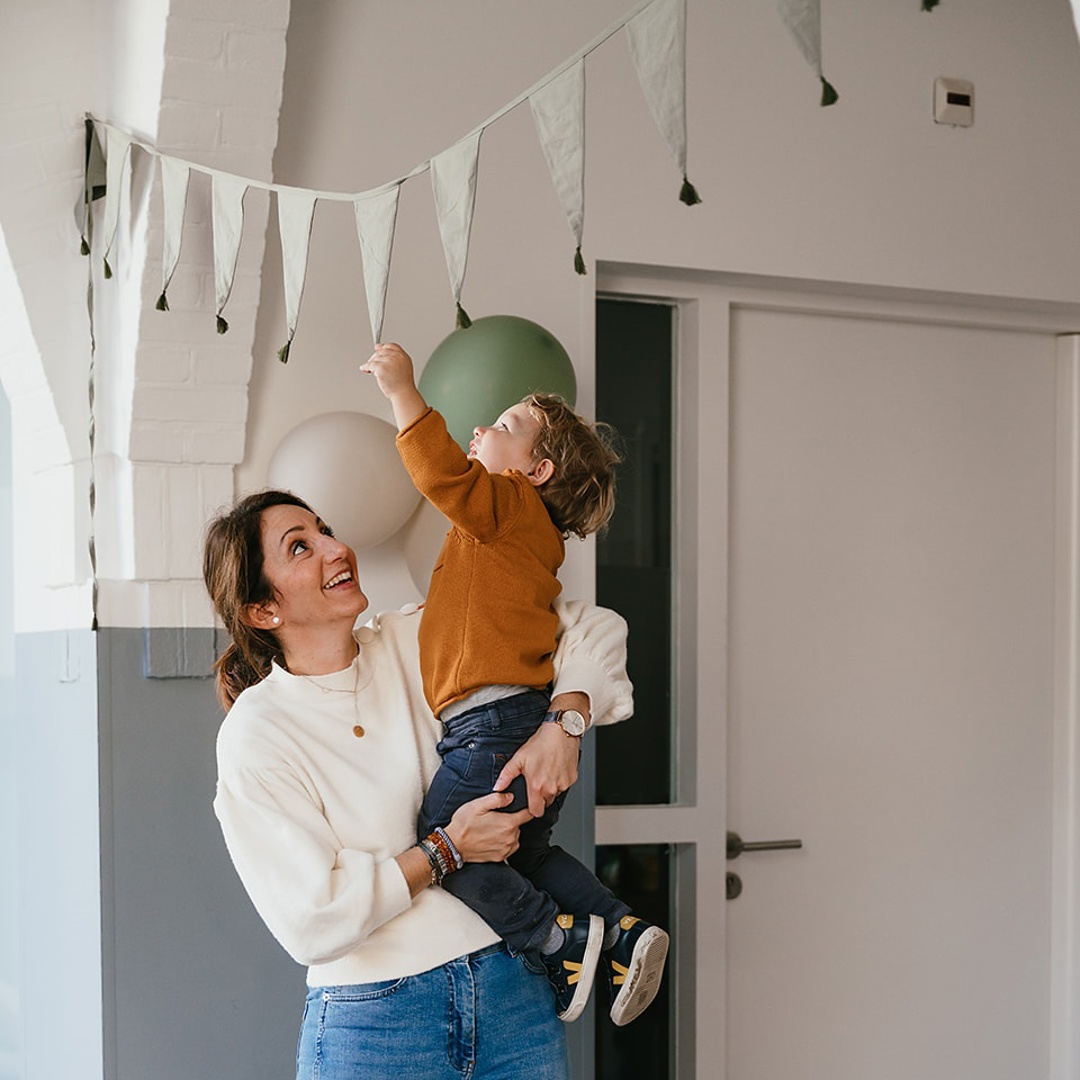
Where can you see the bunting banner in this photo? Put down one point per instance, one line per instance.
(453, 180)
(174, 187)
(656, 35)
(376, 218)
(558, 111)
(117, 159)
(657, 39)
(296, 210)
(803, 20)
(228, 225)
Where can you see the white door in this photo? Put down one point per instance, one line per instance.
(875, 490)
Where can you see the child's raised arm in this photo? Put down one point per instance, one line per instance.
(393, 370)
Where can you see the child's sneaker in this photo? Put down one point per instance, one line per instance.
(571, 969)
(635, 966)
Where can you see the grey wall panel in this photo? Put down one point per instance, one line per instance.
(54, 747)
(197, 986)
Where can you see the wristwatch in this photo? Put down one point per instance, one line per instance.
(570, 720)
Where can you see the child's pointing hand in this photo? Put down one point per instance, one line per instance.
(392, 367)
(393, 370)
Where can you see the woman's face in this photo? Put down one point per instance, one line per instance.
(313, 576)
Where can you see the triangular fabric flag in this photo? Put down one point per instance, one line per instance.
(94, 177)
(296, 208)
(657, 38)
(174, 187)
(558, 111)
(117, 156)
(376, 217)
(228, 221)
(453, 180)
(803, 20)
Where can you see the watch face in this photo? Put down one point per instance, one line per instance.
(573, 723)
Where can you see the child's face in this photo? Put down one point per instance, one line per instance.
(508, 443)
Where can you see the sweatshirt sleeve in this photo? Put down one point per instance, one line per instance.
(477, 502)
(318, 899)
(591, 659)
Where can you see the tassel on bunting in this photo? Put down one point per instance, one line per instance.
(929, 5)
(579, 262)
(84, 247)
(222, 325)
(108, 270)
(162, 303)
(283, 352)
(829, 96)
(689, 194)
(463, 320)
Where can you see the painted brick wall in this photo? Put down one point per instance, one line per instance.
(172, 394)
(220, 99)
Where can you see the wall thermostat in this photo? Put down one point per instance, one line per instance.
(954, 102)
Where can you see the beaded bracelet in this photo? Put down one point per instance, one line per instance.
(437, 872)
(454, 853)
(446, 860)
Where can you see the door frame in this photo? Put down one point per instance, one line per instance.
(695, 823)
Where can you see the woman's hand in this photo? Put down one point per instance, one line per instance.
(482, 832)
(549, 760)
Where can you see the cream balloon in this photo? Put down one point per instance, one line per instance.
(346, 465)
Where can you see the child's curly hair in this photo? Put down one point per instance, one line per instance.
(580, 496)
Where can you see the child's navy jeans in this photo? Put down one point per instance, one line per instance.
(520, 898)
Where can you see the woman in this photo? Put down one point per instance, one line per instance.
(323, 760)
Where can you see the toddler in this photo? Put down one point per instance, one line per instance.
(535, 476)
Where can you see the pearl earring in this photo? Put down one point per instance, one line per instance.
(275, 620)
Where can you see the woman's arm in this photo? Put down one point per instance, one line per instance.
(319, 899)
(590, 676)
(479, 830)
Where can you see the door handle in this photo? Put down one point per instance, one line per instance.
(736, 845)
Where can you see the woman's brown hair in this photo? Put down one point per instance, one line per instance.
(580, 496)
(233, 572)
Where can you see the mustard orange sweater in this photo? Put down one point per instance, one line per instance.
(489, 617)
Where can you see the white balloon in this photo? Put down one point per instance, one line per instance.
(346, 466)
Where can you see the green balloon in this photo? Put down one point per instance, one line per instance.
(475, 374)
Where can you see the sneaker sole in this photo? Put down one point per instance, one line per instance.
(643, 976)
(593, 946)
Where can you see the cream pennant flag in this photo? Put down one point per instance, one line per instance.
(803, 20)
(453, 179)
(558, 110)
(117, 156)
(296, 208)
(658, 48)
(93, 184)
(228, 221)
(376, 217)
(174, 187)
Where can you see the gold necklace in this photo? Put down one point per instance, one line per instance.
(358, 728)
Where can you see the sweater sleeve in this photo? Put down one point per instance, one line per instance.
(591, 659)
(318, 899)
(478, 503)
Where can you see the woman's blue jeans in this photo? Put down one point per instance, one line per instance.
(480, 1017)
(520, 898)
